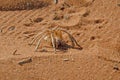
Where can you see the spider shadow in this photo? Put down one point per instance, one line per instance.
(65, 47)
(61, 47)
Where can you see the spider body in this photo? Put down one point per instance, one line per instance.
(57, 35)
(54, 37)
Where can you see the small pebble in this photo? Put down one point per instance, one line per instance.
(55, 1)
(115, 68)
(65, 59)
(11, 28)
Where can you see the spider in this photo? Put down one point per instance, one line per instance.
(54, 37)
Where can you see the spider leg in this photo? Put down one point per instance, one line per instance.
(53, 42)
(55, 28)
(76, 42)
(38, 44)
(71, 38)
(39, 34)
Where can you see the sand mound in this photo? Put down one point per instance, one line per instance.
(22, 4)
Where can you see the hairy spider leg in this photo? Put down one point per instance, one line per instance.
(70, 37)
(39, 34)
(38, 44)
(53, 41)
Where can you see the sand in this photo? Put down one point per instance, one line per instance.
(93, 23)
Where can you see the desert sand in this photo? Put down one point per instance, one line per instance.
(95, 24)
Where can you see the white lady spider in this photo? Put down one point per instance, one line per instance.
(54, 37)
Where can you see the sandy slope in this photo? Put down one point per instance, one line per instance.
(94, 24)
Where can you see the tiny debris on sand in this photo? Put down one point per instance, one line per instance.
(14, 53)
(55, 1)
(28, 60)
(11, 28)
(66, 59)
